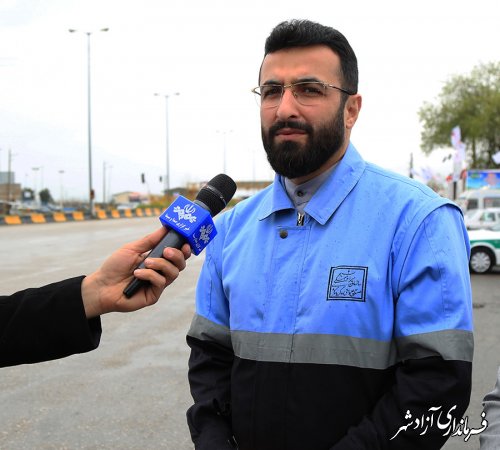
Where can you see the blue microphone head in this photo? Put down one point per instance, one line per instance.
(217, 193)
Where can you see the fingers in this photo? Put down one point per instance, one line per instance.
(161, 272)
(159, 280)
(144, 245)
(186, 250)
(177, 257)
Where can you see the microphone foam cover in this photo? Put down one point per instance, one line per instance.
(217, 193)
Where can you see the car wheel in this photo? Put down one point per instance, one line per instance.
(481, 260)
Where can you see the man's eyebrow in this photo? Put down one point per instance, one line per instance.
(308, 79)
(297, 80)
(271, 82)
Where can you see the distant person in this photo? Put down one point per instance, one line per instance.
(490, 438)
(60, 319)
(492, 180)
(334, 307)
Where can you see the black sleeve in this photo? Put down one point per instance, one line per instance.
(45, 323)
(421, 384)
(490, 438)
(209, 419)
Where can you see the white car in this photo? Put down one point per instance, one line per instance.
(471, 218)
(484, 218)
(485, 249)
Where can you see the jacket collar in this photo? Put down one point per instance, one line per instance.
(328, 197)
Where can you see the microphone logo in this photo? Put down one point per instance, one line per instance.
(194, 223)
(205, 232)
(186, 213)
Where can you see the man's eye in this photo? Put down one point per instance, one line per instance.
(270, 91)
(310, 90)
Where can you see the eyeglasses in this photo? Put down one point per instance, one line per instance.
(307, 93)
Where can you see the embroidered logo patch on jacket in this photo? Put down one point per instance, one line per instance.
(347, 283)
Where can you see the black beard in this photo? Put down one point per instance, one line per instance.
(293, 160)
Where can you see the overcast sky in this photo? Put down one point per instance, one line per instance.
(210, 53)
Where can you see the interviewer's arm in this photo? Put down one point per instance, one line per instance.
(45, 323)
(60, 319)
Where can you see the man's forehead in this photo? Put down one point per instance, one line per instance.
(299, 62)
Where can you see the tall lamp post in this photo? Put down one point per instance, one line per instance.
(61, 198)
(89, 122)
(224, 159)
(167, 174)
(105, 167)
(35, 184)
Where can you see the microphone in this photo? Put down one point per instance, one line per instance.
(190, 222)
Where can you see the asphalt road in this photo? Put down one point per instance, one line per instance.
(132, 392)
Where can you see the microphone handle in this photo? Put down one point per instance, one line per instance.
(173, 240)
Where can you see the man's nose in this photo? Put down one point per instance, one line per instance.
(288, 107)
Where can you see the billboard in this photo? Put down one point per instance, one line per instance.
(477, 179)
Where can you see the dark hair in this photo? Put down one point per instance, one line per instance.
(304, 33)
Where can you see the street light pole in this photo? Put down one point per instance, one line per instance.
(61, 198)
(224, 161)
(167, 174)
(9, 175)
(105, 167)
(89, 121)
(35, 184)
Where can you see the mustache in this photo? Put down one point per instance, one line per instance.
(273, 129)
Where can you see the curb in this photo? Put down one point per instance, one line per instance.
(78, 216)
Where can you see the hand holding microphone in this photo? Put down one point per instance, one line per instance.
(190, 222)
(102, 290)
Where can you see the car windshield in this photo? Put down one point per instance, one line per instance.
(471, 213)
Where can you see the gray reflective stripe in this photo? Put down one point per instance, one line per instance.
(314, 349)
(449, 344)
(206, 330)
(351, 351)
(335, 349)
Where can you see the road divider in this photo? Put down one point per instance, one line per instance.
(78, 216)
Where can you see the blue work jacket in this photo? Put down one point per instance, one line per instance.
(376, 276)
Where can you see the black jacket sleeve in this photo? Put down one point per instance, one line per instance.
(45, 323)
(490, 438)
(421, 384)
(209, 419)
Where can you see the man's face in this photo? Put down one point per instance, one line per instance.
(301, 141)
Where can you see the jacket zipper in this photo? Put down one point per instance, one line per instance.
(300, 219)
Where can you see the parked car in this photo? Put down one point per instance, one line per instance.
(485, 218)
(485, 249)
(471, 218)
(479, 199)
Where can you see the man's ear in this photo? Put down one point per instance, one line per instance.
(351, 110)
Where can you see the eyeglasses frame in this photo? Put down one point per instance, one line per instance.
(291, 85)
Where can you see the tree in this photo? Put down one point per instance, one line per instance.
(45, 196)
(27, 194)
(473, 102)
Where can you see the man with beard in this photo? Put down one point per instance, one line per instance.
(334, 308)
